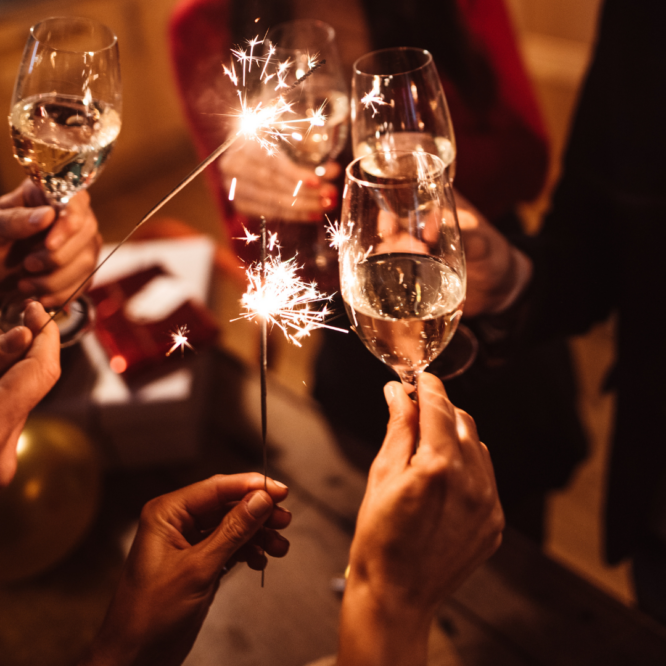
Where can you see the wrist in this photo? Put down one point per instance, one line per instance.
(380, 626)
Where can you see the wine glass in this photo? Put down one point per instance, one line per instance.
(402, 266)
(65, 117)
(398, 103)
(302, 43)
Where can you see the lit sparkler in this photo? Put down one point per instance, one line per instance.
(262, 123)
(180, 340)
(279, 296)
(337, 235)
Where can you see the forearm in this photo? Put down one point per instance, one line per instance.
(375, 632)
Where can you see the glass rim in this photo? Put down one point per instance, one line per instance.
(396, 49)
(436, 161)
(81, 20)
(327, 28)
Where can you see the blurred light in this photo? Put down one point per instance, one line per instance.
(118, 364)
(298, 187)
(232, 189)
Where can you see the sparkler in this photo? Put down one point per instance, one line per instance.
(264, 124)
(180, 340)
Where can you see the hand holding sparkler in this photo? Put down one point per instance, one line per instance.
(187, 541)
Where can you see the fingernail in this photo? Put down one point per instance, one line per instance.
(389, 392)
(12, 342)
(259, 504)
(279, 484)
(37, 215)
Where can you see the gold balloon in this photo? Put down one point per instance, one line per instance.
(51, 501)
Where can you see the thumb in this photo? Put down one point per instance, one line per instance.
(403, 426)
(240, 525)
(19, 223)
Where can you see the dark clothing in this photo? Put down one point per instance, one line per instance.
(602, 249)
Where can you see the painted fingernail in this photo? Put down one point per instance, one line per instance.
(12, 342)
(259, 504)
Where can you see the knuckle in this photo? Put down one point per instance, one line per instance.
(234, 529)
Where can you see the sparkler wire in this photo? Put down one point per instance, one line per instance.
(183, 183)
(264, 364)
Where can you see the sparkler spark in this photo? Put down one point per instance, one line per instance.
(337, 235)
(278, 295)
(248, 238)
(268, 124)
(180, 340)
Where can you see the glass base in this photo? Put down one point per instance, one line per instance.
(458, 355)
(73, 321)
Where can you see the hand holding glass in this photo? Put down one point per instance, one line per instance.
(64, 118)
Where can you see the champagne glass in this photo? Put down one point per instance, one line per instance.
(398, 103)
(65, 116)
(402, 266)
(323, 93)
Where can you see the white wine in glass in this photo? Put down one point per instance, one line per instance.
(66, 107)
(64, 118)
(398, 104)
(402, 267)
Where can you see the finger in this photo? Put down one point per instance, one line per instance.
(8, 443)
(73, 219)
(26, 195)
(437, 420)
(402, 429)
(85, 240)
(239, 526)
(273, 543)
(212, 495)
(331, 170)
(279, 519)
(20, 223)
(59, 281)
(13, 345)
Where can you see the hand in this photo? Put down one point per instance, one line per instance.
(24, 380)
(427, 520)
(497, 272)
(265, 185)
(185, 541)
(44, 256)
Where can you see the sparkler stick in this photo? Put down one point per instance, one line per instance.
(264, 363)
(183, 183)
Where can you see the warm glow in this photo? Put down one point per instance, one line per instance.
(118, 364)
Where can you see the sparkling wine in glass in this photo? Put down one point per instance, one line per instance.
(402, 266)
(66, 107)
(398, 104)
(64, 119)
(301, 43)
